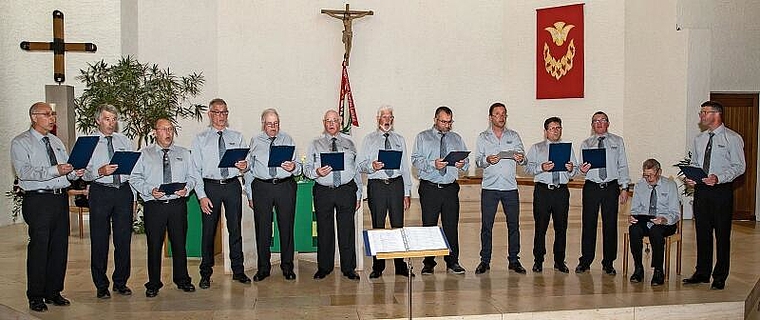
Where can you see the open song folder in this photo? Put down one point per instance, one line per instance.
(405, 242)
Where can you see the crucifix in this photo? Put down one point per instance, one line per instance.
(347, 16)
(59, 47)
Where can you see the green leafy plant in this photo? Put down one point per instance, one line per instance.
(686, 189)
(142, 93)
(17, 196)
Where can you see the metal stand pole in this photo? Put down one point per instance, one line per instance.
(409, 282)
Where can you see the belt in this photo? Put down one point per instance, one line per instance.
(220, 181)
(604, 184)
(334, 187)
(47, 191)
(275, 180)
(438, 185)
(387, 181)
(110, 185)
(168, 201)
(551, 186)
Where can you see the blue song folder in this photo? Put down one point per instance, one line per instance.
(693, 173)
(455, 156)
(126, 161)
(232, 156)
(280, 154)
(82, 151)
(171, 188)
(596, 157)
(559, 153)
(391, 159)
(332, 159)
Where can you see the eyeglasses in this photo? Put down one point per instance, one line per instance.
(46, 114)
(599, 121)
(387, 117)
(499, 116)
(554, 129)
(272, 124)
(705, 112)
(445, 122)
(165, 129)
(331, 120)
(219, 113)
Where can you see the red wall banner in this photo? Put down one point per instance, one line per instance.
(559, 52)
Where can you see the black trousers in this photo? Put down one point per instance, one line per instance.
(48, 218)
(110, 210)
(385, 198)
(227, 195)
(656, 236)
(441, 201)
(595, 196)
(282, 198)
(713, 210)
(550, 204)
(331, 205)
(160, 217)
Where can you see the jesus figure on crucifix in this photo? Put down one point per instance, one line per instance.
(347, 17)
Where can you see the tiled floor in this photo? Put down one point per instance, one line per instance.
(496, 295)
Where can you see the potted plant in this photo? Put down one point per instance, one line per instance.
(687, 192)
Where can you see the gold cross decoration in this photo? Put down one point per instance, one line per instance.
(59, 47)
(347, 16)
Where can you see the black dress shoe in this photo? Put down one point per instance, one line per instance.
(718, 285)
(186, 287)
(104, 294)
(375, 274)
(351, 275)
(58, 300)
(289, 275)
(122, 290)
(427, 270)
(581, 268)
(695, 279)
(517, 267)
(205, 283)
(537, 267)
(610, 270)
(638, 275)
(242, 278)
(561, 267)
(456, 269)
(150, 293)
(260, 276)
(321, 274)
(482, 268)
(658, 278)
(37, 305)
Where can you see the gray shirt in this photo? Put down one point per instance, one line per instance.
(502, 175)
(617, 162)
(258, 160)
(538, 154)
(100, 157)
(205, 155)
(322, 144)
(727, 157)
(668, 205)
(149, 170)
(427, 148)
(32, 165)
(371, 146)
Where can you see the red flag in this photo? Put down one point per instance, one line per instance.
(559, 52)
(347, 102)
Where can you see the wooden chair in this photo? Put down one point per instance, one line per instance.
(80, 211)
(669, 242)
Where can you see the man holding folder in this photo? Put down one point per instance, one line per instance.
(111, 201)
(337, 196)
(389, 188)
(551, 198)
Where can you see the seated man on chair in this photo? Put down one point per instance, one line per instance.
(655, 210)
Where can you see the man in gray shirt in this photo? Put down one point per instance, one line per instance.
(39, 160)
(388, 190)
(272, 188)
(439, 191)
(499, 185)
(111, 201)
(217, 187)
(337, 196)
(655, 211)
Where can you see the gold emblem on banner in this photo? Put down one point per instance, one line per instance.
(559, 68)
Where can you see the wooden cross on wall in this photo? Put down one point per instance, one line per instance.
(347, 16)
(59, 47)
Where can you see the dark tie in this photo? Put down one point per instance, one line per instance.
(388, 172)
(220, 144)
(555, 177)
(442, 171)
(116, 177)
(167, 167)
(708, 154)
(50, 153)
(602, 171)
(653, 202)
(336, 174)
(272, 170)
